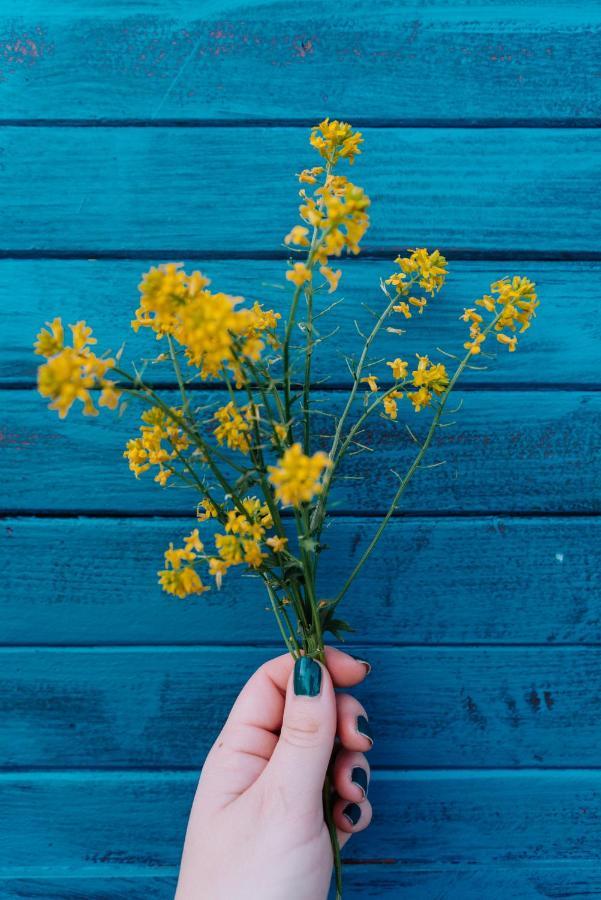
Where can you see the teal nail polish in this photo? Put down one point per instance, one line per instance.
(363, 661)
(307, 677)
(363, 728)
(352, 812)
(359, 777)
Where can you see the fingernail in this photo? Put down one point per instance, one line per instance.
(359, 659)
(352, 812)
(359, 777)
(307, 677)
(363, 728)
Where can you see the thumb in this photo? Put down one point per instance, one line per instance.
(300, 759)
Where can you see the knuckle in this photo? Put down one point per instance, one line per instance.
(302, 731)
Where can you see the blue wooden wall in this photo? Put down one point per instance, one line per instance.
(135, 132)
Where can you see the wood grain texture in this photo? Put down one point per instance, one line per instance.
(230, 59)
(524, 580)
(136, 821)
(561, 347)
(507, 452)
(120, 188)
(378, 879)
(428, 707)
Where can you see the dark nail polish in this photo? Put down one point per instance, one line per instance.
(361, 660)
(359, 777)
(352, 812)
(363, 728)
(307, 677)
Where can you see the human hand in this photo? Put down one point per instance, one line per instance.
(257, 827)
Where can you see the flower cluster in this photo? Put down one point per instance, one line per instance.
(336, 211)
(161, 441)
(513, 302)
(214, 333)
(422, 269)
(243, 542)
(428, 379)
(334, 140)
(70, 373)
(179, 577)
(297, 477)
(234, 426)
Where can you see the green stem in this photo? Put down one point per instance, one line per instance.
(178, 374)
(412, 469)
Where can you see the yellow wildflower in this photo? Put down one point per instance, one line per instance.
(49, 342)
(336, 139)
(70, 373)
(193, 542)
(331, 277)
(308, 176)
(205, 510)
(277, 544)
(297, 477)
(511, 342)
(432, 376)
(252, 554)
(470, 315)
(420, 302)
(160, 442)
(299, 274)
(229, 548)
(420, 398)
(372, 381)
(233, 430)
(217, 568)
(298, 236)
(390, 407)
(399, 368)
(179, 577)
(474, 345)
(403, 308)
(181, 582)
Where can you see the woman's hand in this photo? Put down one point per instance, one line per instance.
(257, 827)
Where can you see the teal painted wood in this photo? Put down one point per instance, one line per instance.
(232, 59)
(141, 188)
(507, 452)
(384, 879)
(546, 591)
(438, 707)
(561, 347)
(90, 823)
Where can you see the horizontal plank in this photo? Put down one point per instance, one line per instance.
(545, 591)
(429, 706)
(559, 348)
(510, 452)
(88, 823)
(152, 59)
(384, 879)
(116, 188)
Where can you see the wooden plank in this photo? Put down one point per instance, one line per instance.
(235, 60)
(383, 879)
(560, 347)
(89, 823)
(147, 188)
(507, 452)
(429, 706)
(545, 590)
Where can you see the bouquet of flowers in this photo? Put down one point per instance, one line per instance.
(258, 458)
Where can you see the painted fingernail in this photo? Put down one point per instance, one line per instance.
(359, 777)
(352, 812)
(363, 728)
(359, 659)
(307, 677)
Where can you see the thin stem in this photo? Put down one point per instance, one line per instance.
(319, 512)
(178, 374)
(412, 469)
(295, 652)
